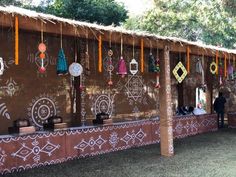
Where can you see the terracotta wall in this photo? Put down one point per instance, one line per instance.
(25, 93)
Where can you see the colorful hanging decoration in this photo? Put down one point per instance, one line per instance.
(61, 63)
(200, 70)
(87, 65)
(122, 70)
(62, 68)
(41, 57)
(157, 70)
(188, 59)
(16, 40)
(217, 62)
(110, 66)
(100, 53)
(1, 66)
(75, 69)
(133, 65)
(230, 69)
(213, 67)
(220, 71)
(225, 65)
(180, 72)
(151, 61)
(142, 56)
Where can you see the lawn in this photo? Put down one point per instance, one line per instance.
(206, 155)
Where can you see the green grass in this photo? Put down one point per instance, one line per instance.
(206, 155)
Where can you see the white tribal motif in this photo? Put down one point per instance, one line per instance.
(133, 136)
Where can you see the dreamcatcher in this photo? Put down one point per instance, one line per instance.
(214, 65)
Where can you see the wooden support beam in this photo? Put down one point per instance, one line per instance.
(166, 115)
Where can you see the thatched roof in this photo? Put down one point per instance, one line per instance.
(95, 27)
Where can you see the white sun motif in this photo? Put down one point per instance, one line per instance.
(42, 108)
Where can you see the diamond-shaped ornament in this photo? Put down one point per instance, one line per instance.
(180, 72)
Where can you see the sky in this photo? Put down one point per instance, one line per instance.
(135, 7)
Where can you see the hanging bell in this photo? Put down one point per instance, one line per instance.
(62, 68)
(122, 70)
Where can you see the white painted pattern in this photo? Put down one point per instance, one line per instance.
(134, 87)
(11, 87)
(41, 108)
(2, 156)
(114, 139)
(4, 111)
(92, 143)
(25, 151)
(134, 136)
(103, 103)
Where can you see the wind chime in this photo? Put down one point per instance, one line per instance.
(62, 68)
(122, 70)
(41, 57)
(110, 66)
(133, 65)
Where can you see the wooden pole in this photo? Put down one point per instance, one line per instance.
(166, 116)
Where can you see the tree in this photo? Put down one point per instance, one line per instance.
(105, 12)
(9, 2)
(209, 21)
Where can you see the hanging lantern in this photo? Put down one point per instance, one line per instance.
(133, 66)
(62, 68)
(1, 66)
(151, 63)
(122, 70)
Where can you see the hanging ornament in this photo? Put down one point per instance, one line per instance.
(217, 62)
(220, 69)
(133, 65)
(230, 70)
(110, 66)
(75, 69)
(225, 65)
(87, 64)
(213, 67)
(16, 41)
(41, 57)
(1, 66)
(62, 68)
(157, 70)
(122, 70)
(151, 61)
(142, 56)
(180, 72)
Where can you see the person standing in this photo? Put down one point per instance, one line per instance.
(219, 106)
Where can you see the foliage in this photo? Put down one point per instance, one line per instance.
(210, 21)
(105, 12)
(9, 2)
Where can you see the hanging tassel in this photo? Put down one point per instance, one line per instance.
(142, 57)
(217, 62)
(100, 53)
(16, 41)
(188, 59)
(62, 67)
(122, 69)
(225, 65)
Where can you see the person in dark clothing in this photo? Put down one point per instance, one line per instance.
(219, 106)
